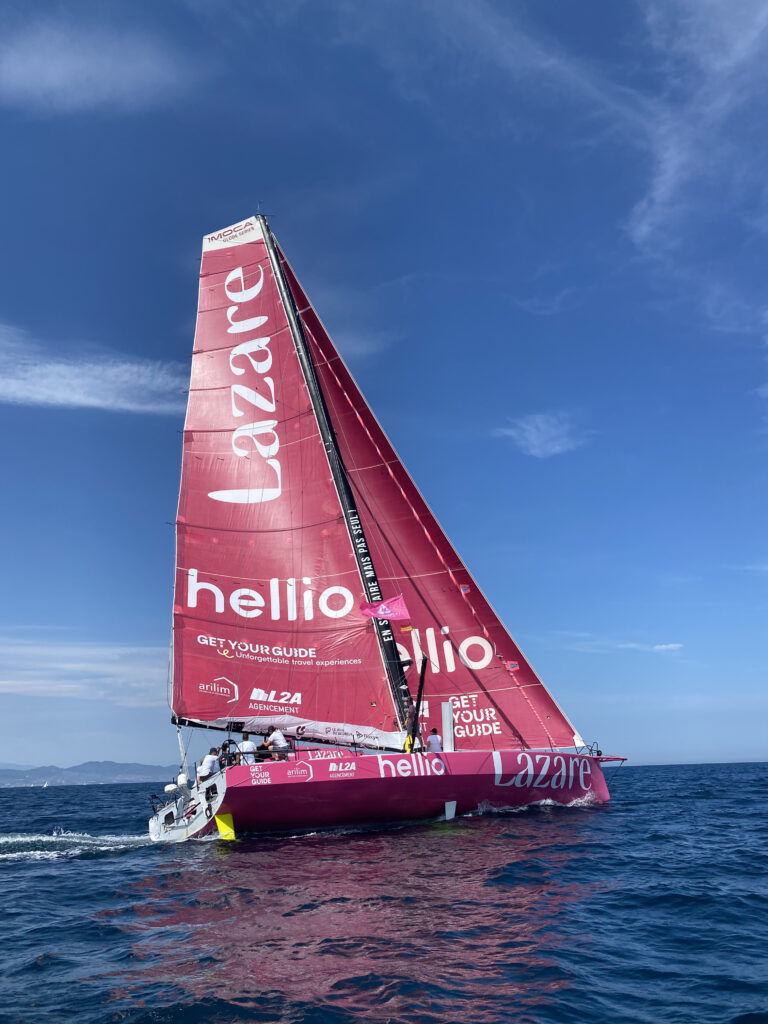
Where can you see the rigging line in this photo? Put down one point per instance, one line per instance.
(318, 339)
(436, 549)
(355, 532)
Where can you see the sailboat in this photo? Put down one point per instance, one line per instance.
(317, 593)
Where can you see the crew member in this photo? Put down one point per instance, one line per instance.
(209, 765)
(434, 742)
(247, 749)
(227, 757)
(278, 744)
(411, 726)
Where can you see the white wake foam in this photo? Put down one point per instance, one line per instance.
(62, 843)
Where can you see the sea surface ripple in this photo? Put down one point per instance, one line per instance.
(651, 909)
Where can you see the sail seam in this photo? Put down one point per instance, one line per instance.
(226, 348)
(275, 529)
(223, 451)
(490, 689)
(373, 465)
(414, 576)
(274, 627)
(266, 579)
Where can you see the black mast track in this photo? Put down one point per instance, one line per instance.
(384, 634)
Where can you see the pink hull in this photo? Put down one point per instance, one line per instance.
(323, 788)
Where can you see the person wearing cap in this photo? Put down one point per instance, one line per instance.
(209, 765)
(277, 743)
(227, 757)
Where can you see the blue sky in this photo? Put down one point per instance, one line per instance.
(538, 234)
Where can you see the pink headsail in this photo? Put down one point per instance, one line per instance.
(268, 626)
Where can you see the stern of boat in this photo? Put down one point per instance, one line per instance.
(190, 811)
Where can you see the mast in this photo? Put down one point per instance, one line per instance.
(386, 640)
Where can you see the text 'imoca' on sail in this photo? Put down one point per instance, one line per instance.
(316, 593)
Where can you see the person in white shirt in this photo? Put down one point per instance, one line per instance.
(277, 743)
(209, 765)
(434, 743)
(247, 750)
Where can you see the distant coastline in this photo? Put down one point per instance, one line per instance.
(89, 773)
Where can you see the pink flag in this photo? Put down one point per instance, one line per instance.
(394, 608)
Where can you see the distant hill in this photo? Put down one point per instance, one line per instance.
(90, 773)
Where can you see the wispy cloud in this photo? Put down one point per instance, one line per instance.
(359, 344)
(550, 305)
(544, 434)
(31, 375)
(501, 39)
(487, 41)
(55, 66)
(692, 116)
(589, 644)
(125, 675)
(706, 159)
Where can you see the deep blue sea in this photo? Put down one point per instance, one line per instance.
(651, 909)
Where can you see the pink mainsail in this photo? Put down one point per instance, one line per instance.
(498, 700)
(268, 626)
